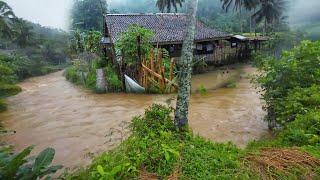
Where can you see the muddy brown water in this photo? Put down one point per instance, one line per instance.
(51, 112)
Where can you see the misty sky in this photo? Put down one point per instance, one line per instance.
(54, 13)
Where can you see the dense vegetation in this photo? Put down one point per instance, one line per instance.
(291, 83)
(26, 50)
(87, 58)
(87, 14)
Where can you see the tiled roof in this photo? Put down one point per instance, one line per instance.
(168, 28)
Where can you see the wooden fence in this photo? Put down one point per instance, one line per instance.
(153, 73)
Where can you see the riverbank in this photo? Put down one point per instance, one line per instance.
(51, 112)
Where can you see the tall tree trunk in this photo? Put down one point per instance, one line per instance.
(265, 27)
(185, 68)
(255, 23)
(241, 23)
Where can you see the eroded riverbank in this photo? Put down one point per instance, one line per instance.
(51, 112)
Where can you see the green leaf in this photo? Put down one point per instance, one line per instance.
(167, 156)
(44, 158)
(100, 170)
(116, 170)
(50, 170)
(10, 170)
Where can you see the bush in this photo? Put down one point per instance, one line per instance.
(305, 130)
(282, 79)
(299, 101)
(113, 81)
(71, 74)
(7, 90)
(3, 107)
(127, 43)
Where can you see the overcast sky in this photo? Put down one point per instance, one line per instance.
(54, 13)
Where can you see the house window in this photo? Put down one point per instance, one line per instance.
(233, 45)
(209, 47)
(171, 49)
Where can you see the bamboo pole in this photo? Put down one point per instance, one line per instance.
(157, 75)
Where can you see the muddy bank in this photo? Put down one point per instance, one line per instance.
(51, 112)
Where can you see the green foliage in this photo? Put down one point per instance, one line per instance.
(7, 90)
(22, 67)
(3, 107)
(128, 44)
(86, 41)
(292, 93)
(113, 81)
(290, 82)
(202, 90)
(203, 159)
(80, 74)
(84, 74)
(87, 14)
(19, 166)
(305, 130)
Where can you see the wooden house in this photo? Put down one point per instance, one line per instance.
(169, 29)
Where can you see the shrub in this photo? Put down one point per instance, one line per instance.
(305, 130)
(71, 73)
(3, 107)
(113, 81)
(298, 68)
(7, 90)
(299, 101)
(127, 44)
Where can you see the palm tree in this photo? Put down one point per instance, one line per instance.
(238, 5)
(184, 64)
(6, 19)
(270, 11)
(168, 4)
(25, 34)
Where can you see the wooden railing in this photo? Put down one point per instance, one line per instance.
(153, 73)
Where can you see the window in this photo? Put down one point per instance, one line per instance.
(209, 47)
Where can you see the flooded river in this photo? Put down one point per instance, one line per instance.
(51, 112)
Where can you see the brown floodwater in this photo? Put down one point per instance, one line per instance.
(51, 112)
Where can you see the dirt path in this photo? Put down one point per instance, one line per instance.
(51, 112)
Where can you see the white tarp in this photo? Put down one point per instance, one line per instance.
(132, 86)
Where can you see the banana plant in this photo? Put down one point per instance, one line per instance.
(20, 166)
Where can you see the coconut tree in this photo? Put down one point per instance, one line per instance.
(6, 19)
(238, 5)
(184, 64)
(169, 4)
(269, 11)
